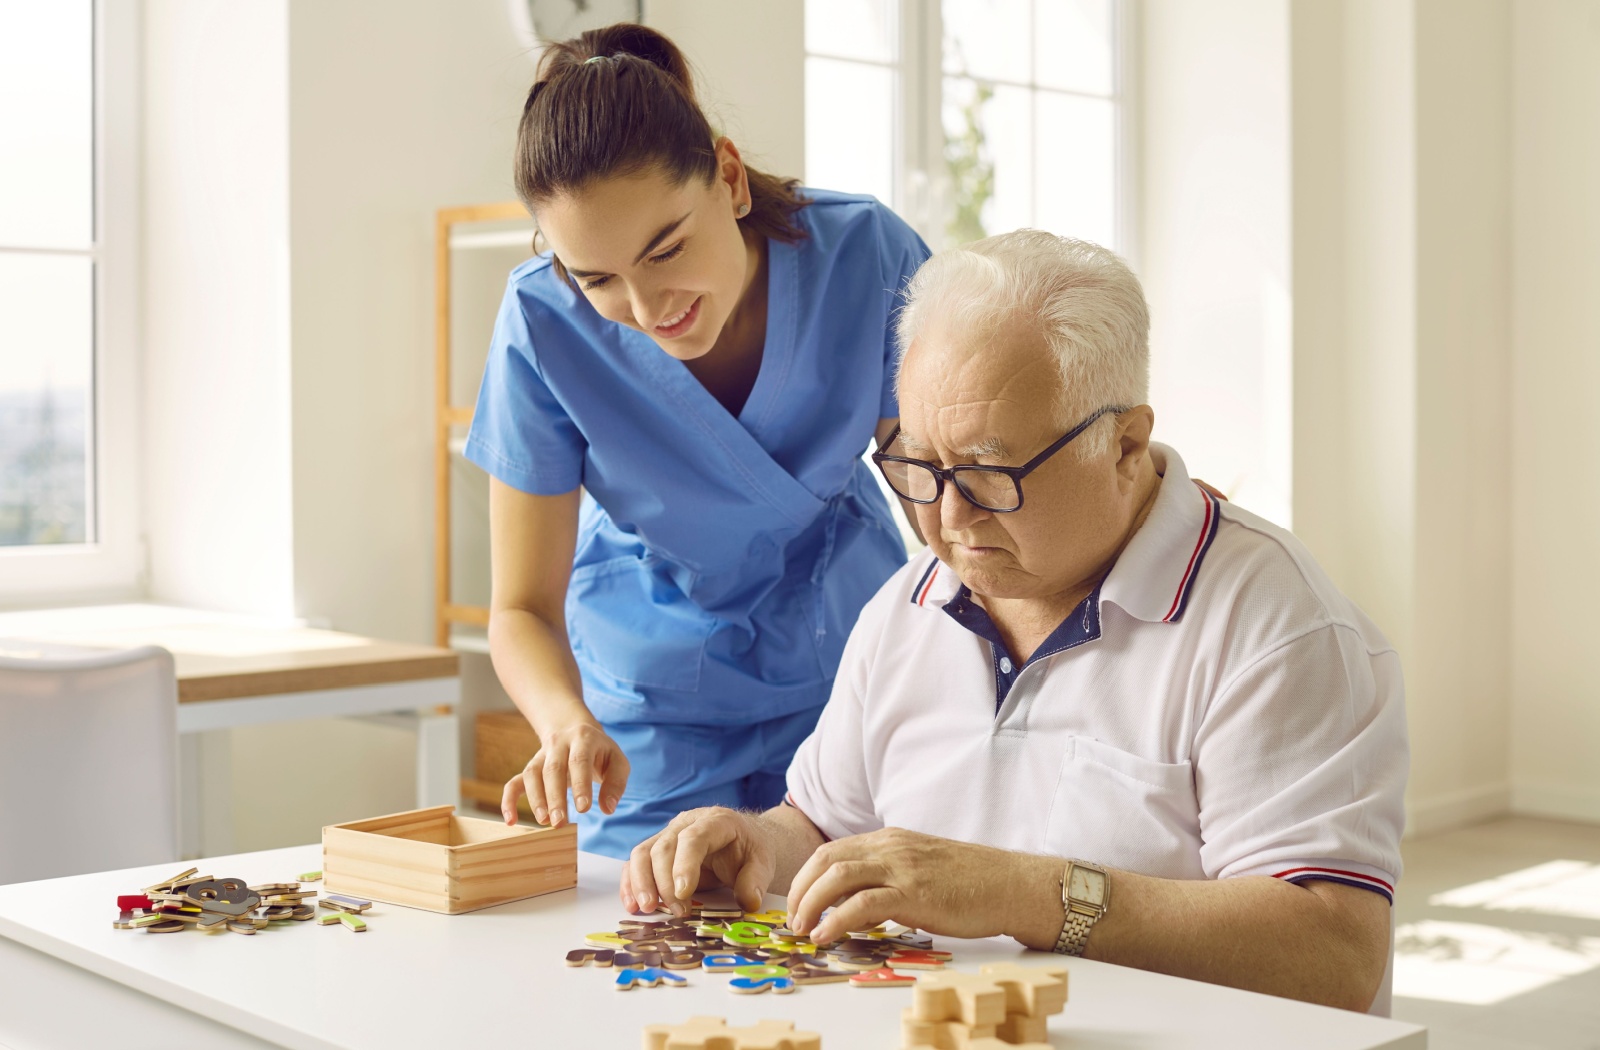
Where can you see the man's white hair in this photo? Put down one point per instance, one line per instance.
(1084, 300)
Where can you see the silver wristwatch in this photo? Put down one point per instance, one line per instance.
(1085, 894)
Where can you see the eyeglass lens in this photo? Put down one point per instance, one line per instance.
(989, 489)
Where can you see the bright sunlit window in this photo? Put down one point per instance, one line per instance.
(47, 272)
(969, 117)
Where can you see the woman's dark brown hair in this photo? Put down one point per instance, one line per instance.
(617, 102)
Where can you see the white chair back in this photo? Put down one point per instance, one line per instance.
(88, 763)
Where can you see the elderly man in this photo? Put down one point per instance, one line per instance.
(1104, 713)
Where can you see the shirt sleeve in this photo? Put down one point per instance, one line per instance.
(521, 434)
(903, 255)
(828, 776)
(1300, 765)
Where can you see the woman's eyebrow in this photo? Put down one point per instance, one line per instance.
(661, 235)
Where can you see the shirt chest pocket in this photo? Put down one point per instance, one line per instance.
(1125, 811)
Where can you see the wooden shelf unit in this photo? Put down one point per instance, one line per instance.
(448, 613)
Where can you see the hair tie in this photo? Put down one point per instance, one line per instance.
(594, 58)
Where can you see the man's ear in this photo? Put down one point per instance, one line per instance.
(1133, 440)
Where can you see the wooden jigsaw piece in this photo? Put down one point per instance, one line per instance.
(943, 1035)
(1020, 1028)
(972, 999)
(713, 1033)
(1036, 991)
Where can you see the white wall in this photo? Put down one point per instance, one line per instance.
(1555, 430)
(750, 60)
(1214, 252)
(216, 412)
(1401, 330)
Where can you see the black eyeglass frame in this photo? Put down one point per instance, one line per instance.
(952, 474)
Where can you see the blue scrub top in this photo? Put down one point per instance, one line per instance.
(721, 561)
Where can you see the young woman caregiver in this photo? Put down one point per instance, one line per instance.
(706, 352)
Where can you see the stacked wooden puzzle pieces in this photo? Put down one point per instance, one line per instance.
(756, 951)
(212, 905)
(1003, 1005)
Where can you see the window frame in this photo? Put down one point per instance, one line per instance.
(112, 564)
(919, 127)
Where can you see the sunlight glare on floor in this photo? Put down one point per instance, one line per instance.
(1560, 887)
(1462, 962)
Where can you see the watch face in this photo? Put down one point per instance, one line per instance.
(1087, 885)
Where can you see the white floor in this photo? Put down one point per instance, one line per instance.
(1498, 941)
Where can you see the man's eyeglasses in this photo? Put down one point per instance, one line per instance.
(997, 489)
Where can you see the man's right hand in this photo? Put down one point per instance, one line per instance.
(575, 755)
(700, 849)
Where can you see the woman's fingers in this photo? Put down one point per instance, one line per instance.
(555, 783)
(580, 772)
(514, 790)
(533, 785)
(615, 780)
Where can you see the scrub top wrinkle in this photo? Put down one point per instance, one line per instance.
(721, 560)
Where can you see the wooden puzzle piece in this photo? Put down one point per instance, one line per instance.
(644, 960)
(693, 1034)
(605, 940)
(767, 918)
(860, 963)
(584, 956)
(329, 919)
(142, 921)
(210, 920)
(134, 901)
(998, 1044)
(1037, 991)
(649, 976)
(160, 886)
(353, 922)
(275, 887)
(713, 1033)
(747, 934)
(310, 876)
(757, 985)
(969, 998)
(881, 978)
(282, 911)
(166, 926)
(918, 960)
(123, 921)
(339, 900)
(725, 961)
(1020, 1028)
(246, 928)
(945, 1035)
(805, 972)
(302, 912)
(682, 959)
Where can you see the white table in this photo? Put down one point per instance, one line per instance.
(498, 978)
(238, 671)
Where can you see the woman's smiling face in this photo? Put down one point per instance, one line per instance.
(665, 259)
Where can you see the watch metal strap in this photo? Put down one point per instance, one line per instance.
(1074, 936)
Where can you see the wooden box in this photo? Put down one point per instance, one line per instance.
(504, 743)
(434, 860)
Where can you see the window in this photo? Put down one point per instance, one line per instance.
(66, 334)
(971, 117)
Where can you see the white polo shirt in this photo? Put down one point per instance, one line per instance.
(1215, 709)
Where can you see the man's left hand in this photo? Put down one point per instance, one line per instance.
(929, 883)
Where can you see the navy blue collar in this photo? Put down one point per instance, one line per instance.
(1081, 625)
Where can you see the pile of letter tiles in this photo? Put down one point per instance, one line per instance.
(213, 905)
(756, 951)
